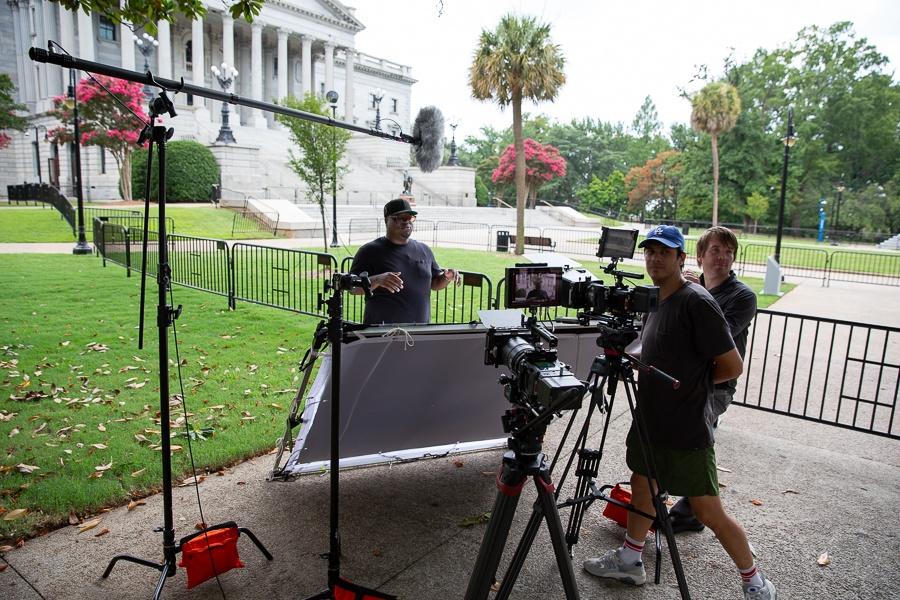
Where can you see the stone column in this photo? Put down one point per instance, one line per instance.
(256, 90)
(67, 41)
(283, 66)
(199, 78)
(348, 85)
(228, 39)
(126, 47)
(329, 66)
(85, 37)
(164, 52)
(307, 63)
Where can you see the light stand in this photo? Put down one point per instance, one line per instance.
(332, 98)
(772, 285)
(339, 283)
(146, 46)
(165, 316)
(453, 161)
(225, 77)
(81, 246)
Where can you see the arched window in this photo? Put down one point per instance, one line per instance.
(189, 55)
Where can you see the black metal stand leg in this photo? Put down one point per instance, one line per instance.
(510, 482)
(134, 559)
(253, 539)
(554, 524)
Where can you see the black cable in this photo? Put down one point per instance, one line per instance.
(25, 579)
(187, 429)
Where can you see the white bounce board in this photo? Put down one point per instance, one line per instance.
(425, 395)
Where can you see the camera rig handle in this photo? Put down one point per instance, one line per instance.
(651, 370)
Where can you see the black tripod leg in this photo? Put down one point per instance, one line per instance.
(510, 482)
(518, 559)
(548, 504)
(134, 559)
(162, 580)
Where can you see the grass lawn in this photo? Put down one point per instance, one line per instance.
(45, 225)
(79, 402)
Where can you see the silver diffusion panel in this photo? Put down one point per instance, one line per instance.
(401, 402)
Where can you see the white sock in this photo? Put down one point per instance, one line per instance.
(752, 577)
(631, 551)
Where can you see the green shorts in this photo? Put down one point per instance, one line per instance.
(680, 472)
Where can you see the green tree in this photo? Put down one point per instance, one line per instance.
(714, 111)
(145, 13)
(320, 149)
(9, 120)
(607, 195)
(514, 62)
(757, 207)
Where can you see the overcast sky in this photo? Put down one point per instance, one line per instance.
(616, 52)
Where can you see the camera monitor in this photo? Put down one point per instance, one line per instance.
(533, 286)
(617, 243)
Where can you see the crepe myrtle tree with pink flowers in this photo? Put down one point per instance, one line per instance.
(104, 122)
(542, 164)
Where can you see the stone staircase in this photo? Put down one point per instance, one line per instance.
(891, 243)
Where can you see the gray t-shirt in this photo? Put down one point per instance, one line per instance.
(417, 267)
(681, 339)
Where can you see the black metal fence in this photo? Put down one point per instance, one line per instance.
(824, 370)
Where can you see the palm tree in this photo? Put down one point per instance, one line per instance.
(517, 60)
(714, 111)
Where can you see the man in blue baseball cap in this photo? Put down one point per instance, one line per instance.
(688, 338)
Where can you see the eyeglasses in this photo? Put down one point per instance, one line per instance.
(403, 218)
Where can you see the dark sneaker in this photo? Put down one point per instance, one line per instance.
(766, 592)
(611, 566)
(682, 524)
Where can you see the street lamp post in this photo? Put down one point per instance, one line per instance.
(378, 96)
(37, 149)
(453, 161)
(837, 207)
(772, 284)
(225, 77)
(146, 45)
(81, 246)
(332, 98)
(789, 141)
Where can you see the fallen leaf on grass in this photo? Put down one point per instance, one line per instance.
(127, 368)
(87, 525)
(105, 467)
(27, 469)
(99, 446)
(15, 514)
(102, 532)
(14, 432)
(40, 429)
(96, 475)
(824, 560)
(101, 427)
(135, 503)
(136, 385)
(756, 502)
(192, 480)
(138, 472)
(95, 347)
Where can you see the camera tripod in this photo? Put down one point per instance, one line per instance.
(524, 460)
(607, 370)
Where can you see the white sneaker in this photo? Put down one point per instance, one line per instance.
(611, 566)
(766, 592)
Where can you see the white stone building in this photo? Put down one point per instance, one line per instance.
(293, 47)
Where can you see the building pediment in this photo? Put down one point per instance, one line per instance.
(326, 11)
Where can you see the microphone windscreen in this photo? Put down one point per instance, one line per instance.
(428, 132)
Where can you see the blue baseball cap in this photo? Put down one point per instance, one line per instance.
(667, 235)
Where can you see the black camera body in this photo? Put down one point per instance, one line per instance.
(537, 380)
(538, 285)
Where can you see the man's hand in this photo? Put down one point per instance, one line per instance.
(452, 275)
(691, 276)
(444, 279)
(390, 281)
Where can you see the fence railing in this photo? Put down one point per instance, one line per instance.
(830, 371)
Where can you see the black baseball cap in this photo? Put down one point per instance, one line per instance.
(398, 206)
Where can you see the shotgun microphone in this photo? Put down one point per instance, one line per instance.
(428, 133)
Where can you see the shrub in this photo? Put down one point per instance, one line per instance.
(191, 171)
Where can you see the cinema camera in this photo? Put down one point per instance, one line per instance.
(535, 285)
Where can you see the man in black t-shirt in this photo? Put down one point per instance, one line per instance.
(689, 339)
(402, 271)
(716, 251)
